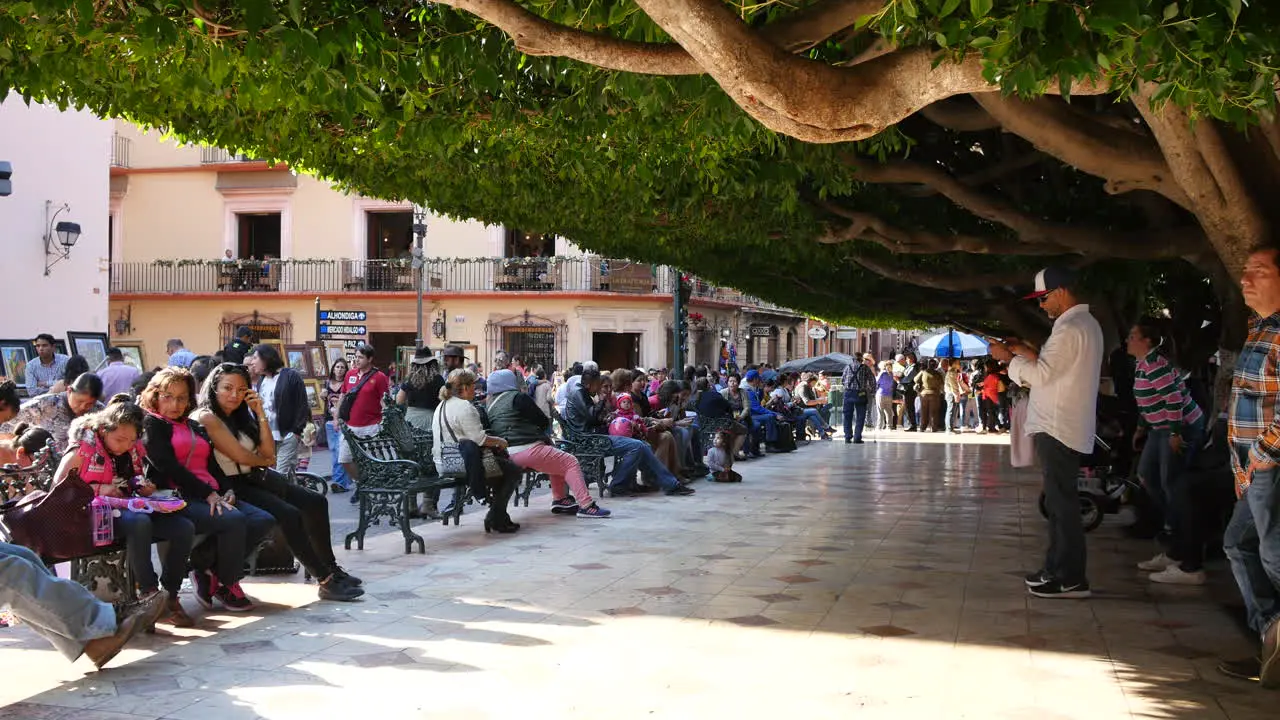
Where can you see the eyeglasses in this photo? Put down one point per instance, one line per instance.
(1045, 297)
(169, 397)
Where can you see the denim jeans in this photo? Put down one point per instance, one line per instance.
(232, 533)
(61, 611)
(138, 530)
(1252, 544)
(334, 438)
(637, 455)
(1065, 559)
(770, 424)
(954, 413)
(855, 419)
(814, 419)
(1165, 474)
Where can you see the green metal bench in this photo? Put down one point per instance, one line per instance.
(389, 481)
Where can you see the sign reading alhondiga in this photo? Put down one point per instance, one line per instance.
(336, 324)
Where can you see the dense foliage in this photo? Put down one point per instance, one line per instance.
(430, 103)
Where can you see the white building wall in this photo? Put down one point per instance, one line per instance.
(63, 157)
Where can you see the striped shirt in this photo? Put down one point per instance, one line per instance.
(1253, 430)
(1161, 392)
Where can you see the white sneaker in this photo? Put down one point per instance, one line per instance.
(1156, 564)
(1174, 575)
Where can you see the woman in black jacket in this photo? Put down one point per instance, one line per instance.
(244, 450)
(180, 457)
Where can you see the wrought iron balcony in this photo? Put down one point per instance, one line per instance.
(119, 151)
(581, 274)
(213, 155)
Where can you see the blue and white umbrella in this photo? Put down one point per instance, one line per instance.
(952, 344)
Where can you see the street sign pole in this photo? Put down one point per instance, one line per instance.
(318, 338)
(419, 233)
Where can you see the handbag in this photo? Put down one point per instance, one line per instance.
(349, 399)
(451, 462)
(57, 525)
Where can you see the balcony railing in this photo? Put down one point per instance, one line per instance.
(212, 155)
(119, 151)
(560, 274)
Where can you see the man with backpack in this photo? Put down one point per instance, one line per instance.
(859, 382)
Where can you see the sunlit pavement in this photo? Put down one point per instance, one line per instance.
(880, 580)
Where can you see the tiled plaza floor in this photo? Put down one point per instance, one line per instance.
(874, 581)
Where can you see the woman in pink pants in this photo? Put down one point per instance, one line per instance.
(515, 417)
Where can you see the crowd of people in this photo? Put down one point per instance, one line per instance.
(226, 432)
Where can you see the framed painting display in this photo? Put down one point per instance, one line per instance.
(133, 353)
(60, 347)
(14, 355)
(319, 363)
(296, 357)
(315, 397)
(91, 345)
(334, 350)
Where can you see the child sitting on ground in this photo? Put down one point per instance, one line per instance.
(720, 459)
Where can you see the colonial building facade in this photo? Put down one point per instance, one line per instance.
(203, 241)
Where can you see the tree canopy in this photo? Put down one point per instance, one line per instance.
(881, 161)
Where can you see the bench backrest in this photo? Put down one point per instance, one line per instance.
(16, 482)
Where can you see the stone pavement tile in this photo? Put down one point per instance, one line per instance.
(919, 611)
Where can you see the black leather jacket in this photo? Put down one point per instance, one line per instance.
(582, 415)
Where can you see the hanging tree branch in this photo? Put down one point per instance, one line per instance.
(1175, 242)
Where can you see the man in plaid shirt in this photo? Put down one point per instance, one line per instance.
(859, 387)
(1252, 538)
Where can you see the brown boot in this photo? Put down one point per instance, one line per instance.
(102, 650)
(174, 614)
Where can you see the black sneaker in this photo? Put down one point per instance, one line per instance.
(204, 584)
(681, 490)
(1058, 589)
(339, 591)
(345, 577)
(1038, 578)
(1249, 669)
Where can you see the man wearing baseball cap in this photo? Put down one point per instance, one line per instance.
(1061, 419)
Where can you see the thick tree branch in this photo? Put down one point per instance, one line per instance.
(959, 114)
(989, 174)
(1124, 159)
(951, 282)
(534, 35)
(809, 100)
(1031, 230)
(1217, 192)
(901, 241)
(806, 28)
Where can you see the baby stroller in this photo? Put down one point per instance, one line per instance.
(1104, 483)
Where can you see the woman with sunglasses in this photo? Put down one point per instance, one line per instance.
(244, 450)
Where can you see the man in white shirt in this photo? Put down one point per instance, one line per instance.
(1061, 418)
(572, 384)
